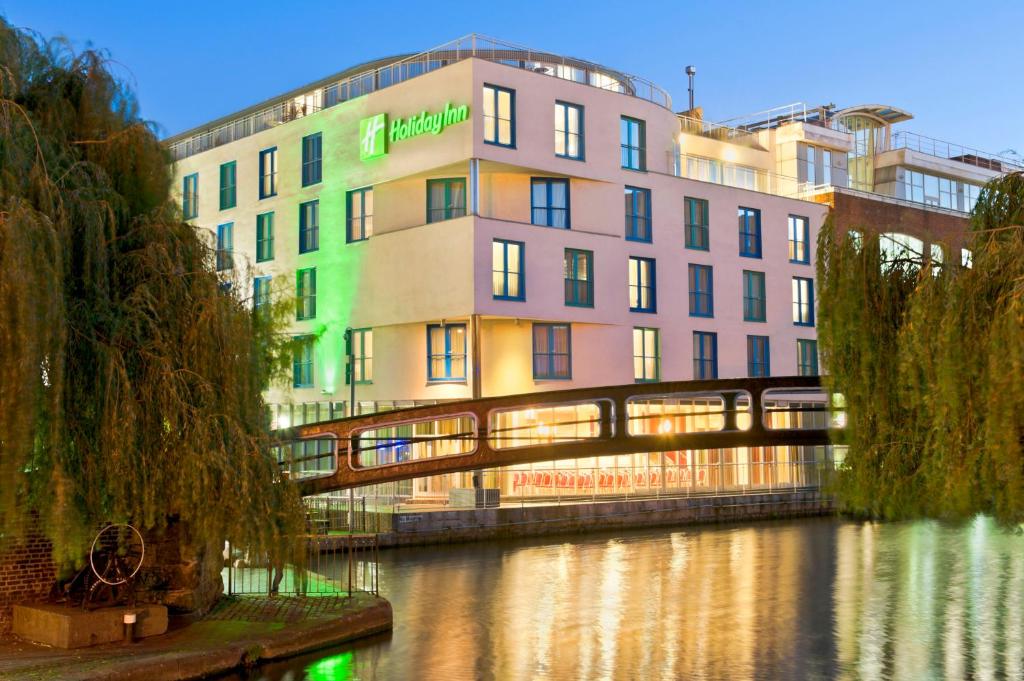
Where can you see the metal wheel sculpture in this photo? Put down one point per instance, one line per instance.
(115, 558)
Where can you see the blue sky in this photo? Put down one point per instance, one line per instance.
(956, 66)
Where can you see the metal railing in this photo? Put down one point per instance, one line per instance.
(371, 80)
(903, 139)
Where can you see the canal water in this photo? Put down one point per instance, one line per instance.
(805, 599)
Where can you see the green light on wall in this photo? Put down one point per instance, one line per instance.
(372, 140)
(373, 143)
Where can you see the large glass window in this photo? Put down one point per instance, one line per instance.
(646, 355)
(806, 357)
(569, 130)
(705, 355)
(302, 362)
(268, 173)
(225, 245)
(549, 202)
(750, 232)
(552, 351)
(811, 166)
(446, 352)
(264, 237)
(697, 224)
(826, 167)
(190, 196)
(633, 142)
(799, 240)
(309, 226)
(642, 294)
(579, 277)
(228, 185)
(499, 116)
(360, 214)
(638, 214)
(753, 296)
(361, 353)
(305, 294)
(758, 359)
(312, 159)
(803, 301)
(507, 270)
(446, 199)
(702, 300)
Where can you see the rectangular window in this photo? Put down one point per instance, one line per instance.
(302, 362)
(697, 224)
(633, 143)
(361, 354)
(753, 297)
(579, 277)
(507, 270)
(806, 357)
(260, 292)
(552, 351)
(812, 177)
(803, 301)
(446, 352)
(705, 355)
(642, 294)
(305, 294)
(826, 167)
(750, 232)
(569, 131)
(549, 202)
(225, 244)
(499, 116)
(799, 240)
(638, 214)
(702, 300)
(646, 355)
(758, 360)
(264, 237)
(446, 199)
(312, 159)
(360, 214)
(268, 173)
(309, 226)
(228, 183)
(190, 196)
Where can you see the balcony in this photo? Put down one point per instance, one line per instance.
(902, 139)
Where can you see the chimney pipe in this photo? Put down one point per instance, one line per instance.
(691, 71)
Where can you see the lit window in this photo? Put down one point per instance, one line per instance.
(302, 362)
(446, 352)
(190, 196)
(750, 232)
(549, 202)
(702, 300)
(305, 294)
(552, 351)
(361, 352)
(264, 237)
(807, 357)
(638, 214)
(499, 116)
(753, 297)
(966, 258)
(309, 226)
(569, 131)
(446, 199)
(799, 240)
(758, 356)
(633, 143)
(228, 182)
(803, 301)
(507, 271)
(312, 159)
(579, 277)
(646, 355)
(705, 355)
(360, 214)
(268, 173)
(697, 224)
(642, 294)
(225, 244)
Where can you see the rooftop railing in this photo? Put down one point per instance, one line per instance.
(902, 139)
(371, 80)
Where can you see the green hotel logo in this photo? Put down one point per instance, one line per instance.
(372, 140)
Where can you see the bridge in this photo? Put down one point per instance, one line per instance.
(473, 435)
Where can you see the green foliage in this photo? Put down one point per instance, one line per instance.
(931, 361)
(131, 376)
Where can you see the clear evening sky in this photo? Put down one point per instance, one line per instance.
(957, 66)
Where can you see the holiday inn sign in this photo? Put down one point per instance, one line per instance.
(375, 135)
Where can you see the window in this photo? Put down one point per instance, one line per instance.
(361, 353)
(260, 292)
(312, 159)
(499, 116)
(803, 301)
(225, 242)
(702, 299)
(753, 296)
(642, 296)
(569, 131)
(705, 355)
(446, 352)
(302, 362)
(638, 214)
(646, 355)
(750, 232)
(697, 224)
(826, 167)
(632, 138)
(812, 176)
(758, 361)
(305, 294)
(268, 173)
(228, 182)
(190, 196)
(552, 351)
(446, 199)
(309, 226)
(264, 237)
(799, 240)
(549, 202)
(579, 277)
(507, 276)
(806, 357)
(360, 214)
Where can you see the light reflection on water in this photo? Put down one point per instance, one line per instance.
(810, 599)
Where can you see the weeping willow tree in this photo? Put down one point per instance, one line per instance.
(930, 359)
(130, 373)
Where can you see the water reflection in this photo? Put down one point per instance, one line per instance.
(806, 599)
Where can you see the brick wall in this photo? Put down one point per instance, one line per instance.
(865, 214)
(26, 573)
